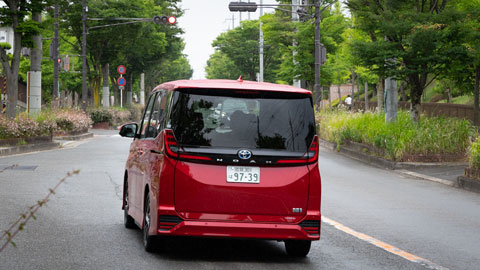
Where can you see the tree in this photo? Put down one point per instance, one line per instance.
(241, 46)
(423, 36)
(16, 13)
(220, 66)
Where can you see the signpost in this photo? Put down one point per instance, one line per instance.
(121, 81)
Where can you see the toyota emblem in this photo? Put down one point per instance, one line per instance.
(244, 154)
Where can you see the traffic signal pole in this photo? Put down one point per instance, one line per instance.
(84, 55)
(55, 57)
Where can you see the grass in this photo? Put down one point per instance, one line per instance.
(431, 135)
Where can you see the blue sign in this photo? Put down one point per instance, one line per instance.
(121, 81)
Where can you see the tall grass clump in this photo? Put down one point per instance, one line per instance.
(474, 158)
(431, 135)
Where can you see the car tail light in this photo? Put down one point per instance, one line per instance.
(166, 223)
(171, 145)
(311, 156)
(174, 150)
(311, 226)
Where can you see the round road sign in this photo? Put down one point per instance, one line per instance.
(121, 69)
(121, 81)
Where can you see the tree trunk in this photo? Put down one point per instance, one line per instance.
(339, 95)
(353, 86)
(11, 67)
(380, 94)
(475, 91)
(366, 96)
(416, 97)
(402, 92)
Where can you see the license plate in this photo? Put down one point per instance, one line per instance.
(238, 174)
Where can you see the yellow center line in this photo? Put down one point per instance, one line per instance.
(394, 250)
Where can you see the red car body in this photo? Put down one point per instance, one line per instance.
(185, 188)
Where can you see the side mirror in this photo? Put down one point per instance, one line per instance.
(129, 130)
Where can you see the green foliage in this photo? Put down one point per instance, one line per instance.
(474, 158)
(431, 135)
(220, 66)
(5, 45)
(100, 115)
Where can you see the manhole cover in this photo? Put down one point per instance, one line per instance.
(17, 168)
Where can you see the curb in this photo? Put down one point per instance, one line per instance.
(468, 184)
(402, 167)
(6, 151)
(74, 137)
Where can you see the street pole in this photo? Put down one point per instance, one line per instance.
(260, 76)
(317, 49)
(295, 18)
(55, 56)
(84, 55)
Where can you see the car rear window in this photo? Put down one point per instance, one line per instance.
(242, 119)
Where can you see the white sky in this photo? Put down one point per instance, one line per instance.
(202, 22)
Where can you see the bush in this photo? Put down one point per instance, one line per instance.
(46, 123)
(431, 135)
(120, 116)
(100, 115)
(71, 120)
(474, 158)
(136, 111)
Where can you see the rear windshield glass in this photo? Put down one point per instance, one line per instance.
(242, 119)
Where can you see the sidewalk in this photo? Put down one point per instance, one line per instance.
(57, 142)
(450, 173)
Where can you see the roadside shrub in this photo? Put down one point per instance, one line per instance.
(71, 120)
(120, 115)
(46, 123)
(136, 111)
(474, 158)
(100, 115)
(431, 135)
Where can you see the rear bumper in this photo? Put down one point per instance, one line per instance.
(240, 230)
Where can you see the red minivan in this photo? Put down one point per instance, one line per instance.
(224, 158)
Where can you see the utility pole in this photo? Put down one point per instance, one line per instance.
(55, 56)
(317, 48)
(260, 75)
(295, 18)
(106, 89)
(84, 55)
(142, 89)
(35, 74)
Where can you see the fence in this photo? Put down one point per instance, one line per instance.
(430, 109)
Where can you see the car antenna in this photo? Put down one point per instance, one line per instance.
(240, 79)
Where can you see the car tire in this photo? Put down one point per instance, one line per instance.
(127, 219)
(298, 248)
(148, 240)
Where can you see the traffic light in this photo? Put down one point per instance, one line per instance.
(164, 19)
(243, 6)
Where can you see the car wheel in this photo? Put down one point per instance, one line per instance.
(148, 240)
(298, 248)
(127, 219)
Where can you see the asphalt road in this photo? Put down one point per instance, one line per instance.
(379, 215)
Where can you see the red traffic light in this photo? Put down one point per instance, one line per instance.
(59, 60)
(164, 19)
(172, 20)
